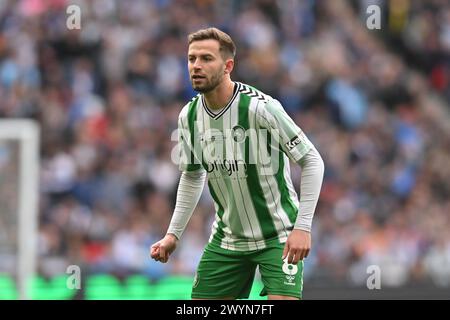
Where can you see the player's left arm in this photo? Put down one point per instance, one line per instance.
(298, 243)
(296, 145)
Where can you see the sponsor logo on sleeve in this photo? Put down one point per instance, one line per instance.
(295, 141)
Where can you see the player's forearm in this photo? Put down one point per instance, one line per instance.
(311, 183)
(189, 191)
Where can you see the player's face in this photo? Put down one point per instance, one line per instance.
(206, 65)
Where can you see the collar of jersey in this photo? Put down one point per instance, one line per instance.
(216, 116)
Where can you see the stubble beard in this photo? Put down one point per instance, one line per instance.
(210, 85)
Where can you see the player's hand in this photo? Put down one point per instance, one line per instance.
(161, 250)
(297, 246)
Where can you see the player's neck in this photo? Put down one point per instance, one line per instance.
(220, 96)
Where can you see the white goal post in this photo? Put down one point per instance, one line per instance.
(27, 133)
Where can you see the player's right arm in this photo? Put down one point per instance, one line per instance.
(189, 191)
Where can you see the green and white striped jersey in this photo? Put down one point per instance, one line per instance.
(245, 149)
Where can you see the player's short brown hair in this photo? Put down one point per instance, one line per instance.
(227, 47)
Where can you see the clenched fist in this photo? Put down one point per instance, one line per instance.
(161, 250)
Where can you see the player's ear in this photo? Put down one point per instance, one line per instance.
(229, 65)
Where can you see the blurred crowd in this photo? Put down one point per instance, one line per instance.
(107, 97)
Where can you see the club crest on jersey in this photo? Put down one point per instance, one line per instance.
(238, 133)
